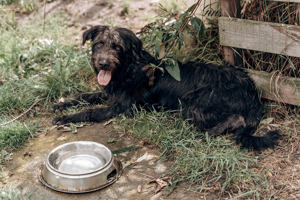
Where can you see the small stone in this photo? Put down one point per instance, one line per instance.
(139, 189)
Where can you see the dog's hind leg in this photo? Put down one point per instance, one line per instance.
(92, 98)
(231, 123)
(247, 140)
(244, 135)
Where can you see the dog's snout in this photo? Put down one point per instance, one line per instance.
(103, 64)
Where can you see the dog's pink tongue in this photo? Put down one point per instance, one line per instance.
(104, 77)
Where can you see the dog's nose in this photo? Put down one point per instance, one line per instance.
(103, 64)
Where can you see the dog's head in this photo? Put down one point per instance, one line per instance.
(112, 50)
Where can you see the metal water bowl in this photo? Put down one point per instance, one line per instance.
(79, 167)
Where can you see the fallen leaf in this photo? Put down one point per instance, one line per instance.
(146, 156)
(61, 100)
(269, 174)
(267, 121)
(128, 163)
(161, 183)
(63, 137)
(139, 189)
(70, 127)
(108, 122)
(64, 128)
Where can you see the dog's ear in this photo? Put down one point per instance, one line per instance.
(91, 33)
(132, 43)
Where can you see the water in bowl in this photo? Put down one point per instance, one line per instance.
(81, 164)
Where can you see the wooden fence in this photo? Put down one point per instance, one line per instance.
(261, 36)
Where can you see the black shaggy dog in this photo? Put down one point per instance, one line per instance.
(217, 99)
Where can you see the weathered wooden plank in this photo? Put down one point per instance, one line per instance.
(261, 36)
(230, 8)
(288, 1)
(275, 87)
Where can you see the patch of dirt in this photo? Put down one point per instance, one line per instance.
(144, 176)
(282, 167)
(133, 14)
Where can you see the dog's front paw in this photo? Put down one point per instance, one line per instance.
(58, 106)
(60, 120)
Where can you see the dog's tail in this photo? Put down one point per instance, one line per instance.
(269, 140)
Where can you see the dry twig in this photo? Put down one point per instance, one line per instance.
(16, 118)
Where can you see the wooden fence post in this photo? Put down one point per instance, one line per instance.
(266, 37)
(230, 8)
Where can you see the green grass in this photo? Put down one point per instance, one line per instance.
(7, 2)
(10, 193)
(198, 158)
(38, 62)
(14, 135)
(26, 6)
(37, 65)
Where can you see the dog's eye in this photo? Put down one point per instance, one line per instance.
(117, 48)
(99, 44)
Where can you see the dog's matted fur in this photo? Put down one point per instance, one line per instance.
(217, 99)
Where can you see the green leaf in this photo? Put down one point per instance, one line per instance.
(198, 26)
(111, 140)
(180, 41)
(157, 49)
(183, 16)
(172, 68)
(166, 37)
(196, 23)
(201, 31)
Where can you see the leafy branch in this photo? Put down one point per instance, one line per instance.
(192, 10)
(170, 35)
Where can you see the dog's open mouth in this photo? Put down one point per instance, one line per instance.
(104, 77)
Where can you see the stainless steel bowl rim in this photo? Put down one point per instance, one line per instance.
(118, 168)
(55, 171)
(79, 176)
